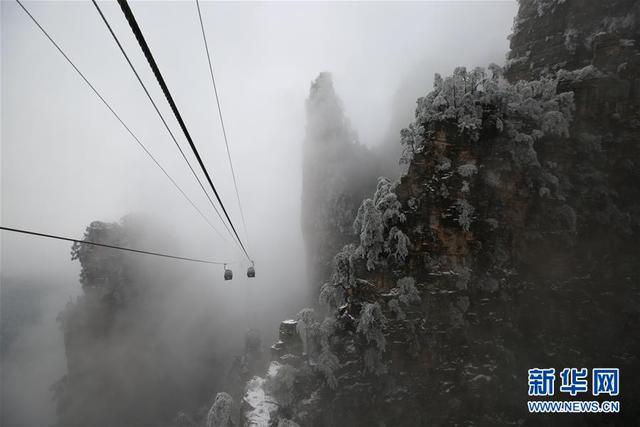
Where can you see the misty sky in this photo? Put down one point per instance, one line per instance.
(66, 161)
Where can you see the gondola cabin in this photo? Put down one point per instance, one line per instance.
(228, 274)
(251, 272)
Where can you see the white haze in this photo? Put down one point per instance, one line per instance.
(66, 161)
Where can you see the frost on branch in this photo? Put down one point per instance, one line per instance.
(397, 244)
(455, 99)
(386, 201)
(467, 170)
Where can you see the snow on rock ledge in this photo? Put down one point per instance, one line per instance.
(258, 406)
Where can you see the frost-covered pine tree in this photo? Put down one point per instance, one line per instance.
(280, 386)
(377, 226)
(327, 364)
(371, 231)
(371, 325)
(412, 139)
(307, 327)
(221, 412)
(398, 244)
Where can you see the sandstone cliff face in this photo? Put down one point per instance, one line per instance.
(129, 362)
(549, 35)
(332, 186)
(522, 212)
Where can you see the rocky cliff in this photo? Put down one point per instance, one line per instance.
(549, 35)
(510, 243)
(131, 360)
(338, 172)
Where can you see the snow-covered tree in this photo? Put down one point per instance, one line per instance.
(377, 226)
(413, 141)
(386, 201)
(371, 325)
(327, 364)
(331, 295)
(220, 414)
(307, 327)
(477, 100)
(397, 244)
(343, 268)
(281, 384)
(371, 230)
(102, 267)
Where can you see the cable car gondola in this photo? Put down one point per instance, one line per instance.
(228, 274)
(251, 271)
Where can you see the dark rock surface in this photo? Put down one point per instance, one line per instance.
(549, 35)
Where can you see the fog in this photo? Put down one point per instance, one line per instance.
(66, 161)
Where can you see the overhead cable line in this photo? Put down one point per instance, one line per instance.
(224, 131)
(104, 245)
(115, 38)
(156, 71)
(175, 184)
